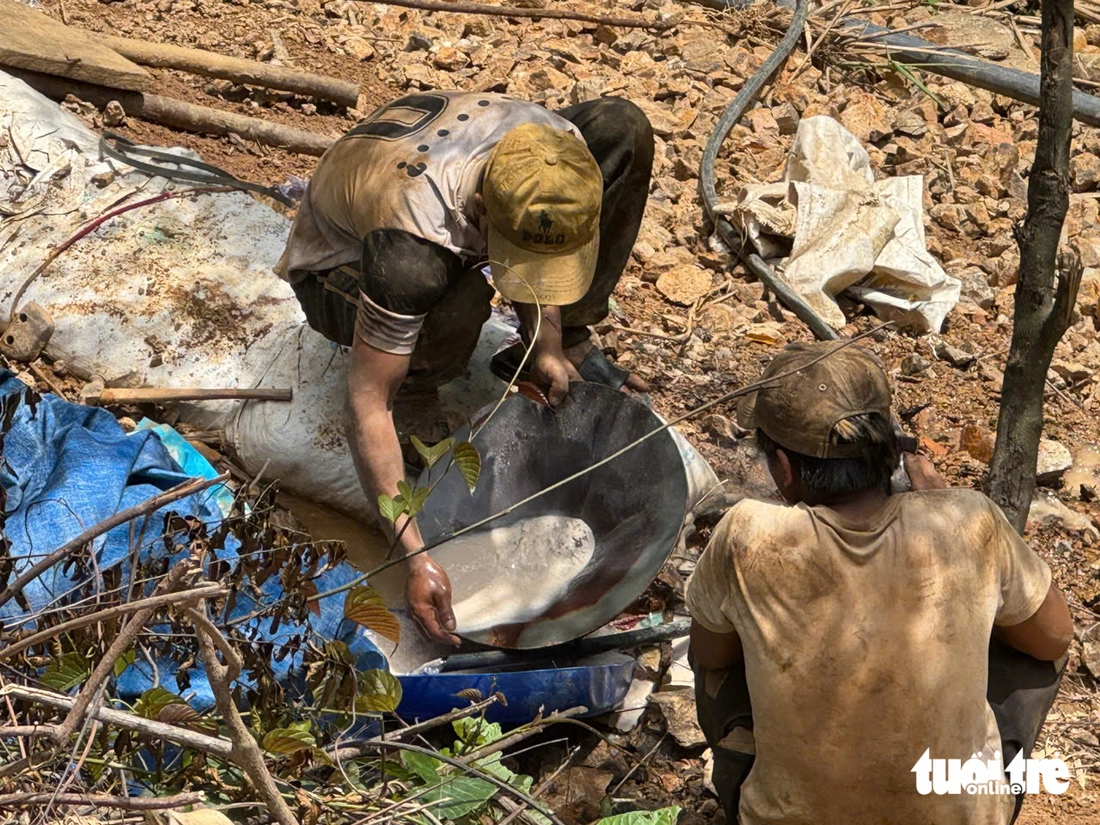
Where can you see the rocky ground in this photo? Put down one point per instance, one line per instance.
(688, 320)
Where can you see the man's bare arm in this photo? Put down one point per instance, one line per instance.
(374, 377)
(715, 651)
(1047, 634)
(548, 364)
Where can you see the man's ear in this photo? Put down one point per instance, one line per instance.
(786, 478)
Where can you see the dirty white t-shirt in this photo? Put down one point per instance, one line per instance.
(414, 165)
(866, 644)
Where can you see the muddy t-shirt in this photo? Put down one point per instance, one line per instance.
(866, 643)
(413, 165)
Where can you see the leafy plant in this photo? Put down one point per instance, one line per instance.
(66, 672)
(379, 691)
(664, 816)
(364, 606)
(290, 740)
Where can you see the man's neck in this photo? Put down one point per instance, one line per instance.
(863, 504)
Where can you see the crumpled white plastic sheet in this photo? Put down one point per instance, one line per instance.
(850, 232)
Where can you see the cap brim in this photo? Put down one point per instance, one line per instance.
(549, 279)
(746, 411)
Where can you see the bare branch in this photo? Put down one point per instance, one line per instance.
(246, 754)
(125, 803)
(216, 746)
(210, 591)
(546, 13)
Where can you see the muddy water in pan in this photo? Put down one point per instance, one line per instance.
(512, 573)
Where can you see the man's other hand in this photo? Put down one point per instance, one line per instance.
(552, 372)
(428, 593)
(922, 474)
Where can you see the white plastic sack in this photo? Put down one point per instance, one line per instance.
(182, 293)
(850, 232)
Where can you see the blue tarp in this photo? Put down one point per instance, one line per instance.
(64, 468)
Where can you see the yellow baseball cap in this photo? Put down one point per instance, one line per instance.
(542, 192)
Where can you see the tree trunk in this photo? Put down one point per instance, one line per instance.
(1043, 310)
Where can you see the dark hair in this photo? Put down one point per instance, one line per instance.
(840, 476)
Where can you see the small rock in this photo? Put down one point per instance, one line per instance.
(976, 289)
(913, 365)
(977, 441)
(763, 123)
(418, 42)
(478, 26)
(990, 373)
(358, 48)
(575, 794)
(101, 179)
(548, 78)
(1048, 509)
(910, 123)
(718, 426)
(954, 356)
(1071, 371)
(1054, 460)
(678, 708)
(450, 59)
(786, 118)
(1090, 650)
(685, 284)
(1084, 171)
(113, 114)
(606, 758)
(665, 124)
(866, 118)
(982, 112)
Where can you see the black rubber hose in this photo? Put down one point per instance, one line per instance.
(179, 168)
(570, 651)
(726, 231)
(905, 48)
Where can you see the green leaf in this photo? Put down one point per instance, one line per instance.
(664, 816)
(365, 606)
(459, 796)
(413, 497)
(66, 672)
(478, 730)
(150, 704)
(183, 715)
(423, 766)
(494, 766)
(288, 741)
(378, 692)
(390, 508)
(468, 461)
(123, 662)
(432, 454)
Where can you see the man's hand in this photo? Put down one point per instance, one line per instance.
(428, 594)
(922, 474)
(552, 372)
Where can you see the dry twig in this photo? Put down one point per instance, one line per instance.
(548, 14)
(246, 754)
(124, 803)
